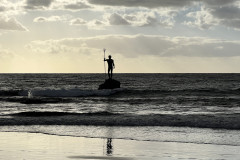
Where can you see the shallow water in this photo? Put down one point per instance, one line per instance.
(189, 100)
(157, 134)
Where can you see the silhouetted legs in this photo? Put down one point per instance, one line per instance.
(110, 73)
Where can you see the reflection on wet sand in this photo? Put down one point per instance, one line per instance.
(108, 156)
(108, 150)
(109, 147)
(109, 134)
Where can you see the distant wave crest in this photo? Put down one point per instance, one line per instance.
(10, 92)
(46, 114)
(222, 121)
(84, 93)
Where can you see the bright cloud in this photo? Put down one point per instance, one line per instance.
(202, 19)
(48, 19)
(134, 46)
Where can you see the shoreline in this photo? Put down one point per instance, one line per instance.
(140, 133)
(24, 145)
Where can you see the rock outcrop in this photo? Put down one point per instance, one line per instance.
(110, 84)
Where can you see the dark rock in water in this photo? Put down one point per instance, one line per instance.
(110, 84)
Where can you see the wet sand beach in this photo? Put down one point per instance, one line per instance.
(20, 145)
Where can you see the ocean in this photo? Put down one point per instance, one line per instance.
(188, 108)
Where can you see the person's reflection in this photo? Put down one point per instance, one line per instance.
(109, 133)
(109, 146)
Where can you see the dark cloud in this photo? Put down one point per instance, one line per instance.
(219, 2)
(77, 6)
(78, 21)
(116, 19)
(227, 15)
(97, 22)
(232, 23)
(151, 21)
(11, 24)
(159, 3)
(143, 3)
(36, 4)
(227, 12)
(2, 8)
(142, 19)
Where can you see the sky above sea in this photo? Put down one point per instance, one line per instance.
(143, 36)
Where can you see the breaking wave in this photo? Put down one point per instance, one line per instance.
(83, 93)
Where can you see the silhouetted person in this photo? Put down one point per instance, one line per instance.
(110, 66)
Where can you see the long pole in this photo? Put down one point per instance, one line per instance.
(104, 50)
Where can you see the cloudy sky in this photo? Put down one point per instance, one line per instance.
(152, 36)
